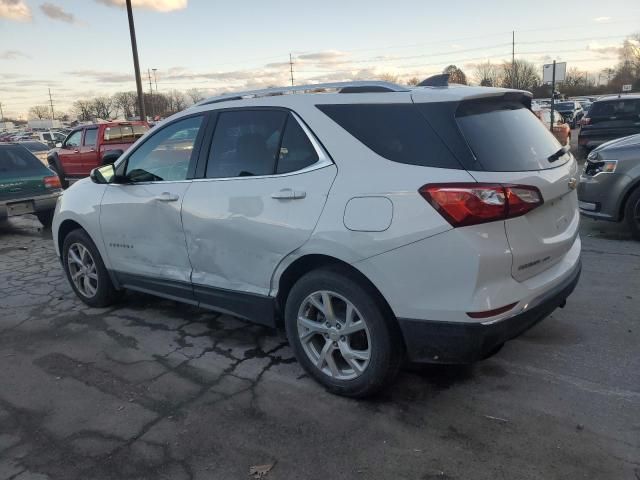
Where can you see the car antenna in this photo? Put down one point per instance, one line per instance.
(441, 80)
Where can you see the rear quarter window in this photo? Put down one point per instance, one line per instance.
(397, 132)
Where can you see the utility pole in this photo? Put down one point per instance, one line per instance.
(51, 103)
(291, 68)
(1, 114)
(136, 65)
(513, 58)
(155, 79)
(151, 92)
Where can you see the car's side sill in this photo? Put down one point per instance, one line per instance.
(253, 307)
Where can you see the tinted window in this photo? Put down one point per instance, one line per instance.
(35, 146)
(245, 143)
(165, 155)
(74, 139)
(397, 132)
(90, 136)
(616, 108)
(127, 133)
(16, 161)
(46, 137)
(506, 137)
(296, 151)
(565, 106)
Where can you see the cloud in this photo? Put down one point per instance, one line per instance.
(57, 13)
(157, 5)
(102, 77)
(323, 56)
(601, 19)
(15, 10)
(12, 55)
(609, 50)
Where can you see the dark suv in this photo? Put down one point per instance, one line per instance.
(571, 111)
(610, 117)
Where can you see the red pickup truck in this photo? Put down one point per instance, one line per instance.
(85, 147)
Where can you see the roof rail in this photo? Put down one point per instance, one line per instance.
(342, 87)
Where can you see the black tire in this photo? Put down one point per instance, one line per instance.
(632, 213)
(386, 346)
(105, 294)
(46, 218)
(55, 166)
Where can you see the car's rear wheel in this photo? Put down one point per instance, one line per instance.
(86, 271)
(45, 218)
(340, 333)
(632, 213)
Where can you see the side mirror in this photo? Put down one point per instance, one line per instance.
(111, 156)
(59, 145)
(104, 174)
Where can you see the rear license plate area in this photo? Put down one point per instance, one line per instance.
(19, 208)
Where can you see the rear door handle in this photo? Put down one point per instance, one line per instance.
(289, 194)
(167, 197)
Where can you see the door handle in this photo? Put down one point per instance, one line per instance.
(76, 151)
(167, 197)
(289, 194)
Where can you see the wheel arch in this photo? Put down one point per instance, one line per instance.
(306, 263)
(625, 198)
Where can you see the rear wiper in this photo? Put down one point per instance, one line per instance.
(559, 153)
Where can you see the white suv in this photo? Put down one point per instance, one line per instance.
(376, 222)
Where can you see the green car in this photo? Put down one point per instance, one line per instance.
(26, 185)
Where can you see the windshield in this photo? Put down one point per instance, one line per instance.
(506, 137)
(35, 146)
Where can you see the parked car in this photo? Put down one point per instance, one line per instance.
(610, 117)
(571, 111)
(561, 130)
(377, 223)
(51, 137)
(39, 149)
(87, 146)
(610, 184)
(26, 185)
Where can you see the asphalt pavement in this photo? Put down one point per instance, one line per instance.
(152, 389)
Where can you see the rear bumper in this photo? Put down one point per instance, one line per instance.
(41, 203)
(465, 342)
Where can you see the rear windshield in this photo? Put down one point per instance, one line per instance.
(16, 161)
(616, 108)
(507, 137)
(35, 146)
(124, 133)
(565, 106)
(397, 132)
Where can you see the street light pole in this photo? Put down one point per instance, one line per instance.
(136, 65)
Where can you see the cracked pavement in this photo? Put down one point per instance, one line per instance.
(153, 389)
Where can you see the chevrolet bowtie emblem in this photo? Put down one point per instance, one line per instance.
(573, 183)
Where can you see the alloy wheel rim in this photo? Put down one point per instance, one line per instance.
(82, 270)
(334, 335)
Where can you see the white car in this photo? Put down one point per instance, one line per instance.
(376, 222)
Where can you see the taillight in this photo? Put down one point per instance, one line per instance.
(463, 204)
(52, 182)
(585, 121)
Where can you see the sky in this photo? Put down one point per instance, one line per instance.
(81, 48)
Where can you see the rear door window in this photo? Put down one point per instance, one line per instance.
(397, 132)
(507, 137)
(90, 137)
(296, 151)
(245, 143)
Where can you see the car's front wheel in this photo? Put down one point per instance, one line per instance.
(632, 213)
(86, 272)
(341, 334)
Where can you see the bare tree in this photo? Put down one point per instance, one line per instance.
(575, 78)
(195, 95)
(39, 112)
(522, 75)
(176, 101)
(126, 103)
(456, 75)
(413, 81)
(389, 77)
(488, 74)
(104, 107)
(83, 109)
